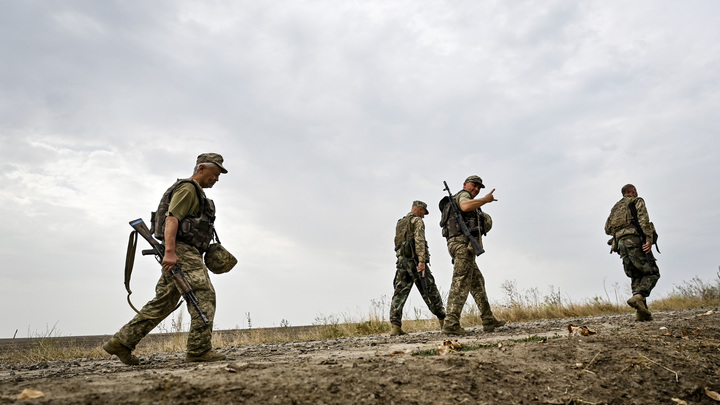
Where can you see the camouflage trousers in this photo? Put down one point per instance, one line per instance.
(166, 298)
(466, 279)
(638, 265)
(404, 280)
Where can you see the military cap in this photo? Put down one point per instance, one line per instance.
(418, 203)
(212, 158)
(475, 179)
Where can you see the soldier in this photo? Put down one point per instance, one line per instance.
(185, 219)
(413, 267)
(467, 278)
(632, 237)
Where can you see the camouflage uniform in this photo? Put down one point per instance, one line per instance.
(166, 298)
(467, 278)
(406, 275)
(638, 265)
(641, 267)
(186, 203)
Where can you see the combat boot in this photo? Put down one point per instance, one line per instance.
(489, 326)
(397, 331)
(643, 318)
(206, 357)
(455, 330)
(637, 301)
(113, 346)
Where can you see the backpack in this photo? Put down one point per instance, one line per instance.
(446, 213)
(404, 240)
(445, 208)
(623, 215)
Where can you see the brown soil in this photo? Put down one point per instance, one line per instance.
(672, 359)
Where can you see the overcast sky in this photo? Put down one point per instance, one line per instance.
(332, 118)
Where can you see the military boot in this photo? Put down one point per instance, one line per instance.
(455, 330)
(637, 301)
(489, 326)
(208, 356)
(643, 317)
(397, 331)
(113, 346)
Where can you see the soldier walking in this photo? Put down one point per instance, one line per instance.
(632, 238)
(185, 221)
(413, 267)
(467, 278)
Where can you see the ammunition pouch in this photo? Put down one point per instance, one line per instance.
(407, 249)
(613, 245)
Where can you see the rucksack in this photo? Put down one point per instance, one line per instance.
(623, 215)
(445, 208)
(404, 242)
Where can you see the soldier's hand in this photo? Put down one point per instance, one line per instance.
(489, 197)
(170, 259)
(647, 247)
(421, 269)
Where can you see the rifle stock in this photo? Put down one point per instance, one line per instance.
(477, 248)
(158, 249)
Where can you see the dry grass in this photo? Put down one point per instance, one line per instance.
(519, 307)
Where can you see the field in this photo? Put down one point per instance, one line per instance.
(551, 352)
(673, 359)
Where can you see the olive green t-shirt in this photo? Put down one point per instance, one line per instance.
(462, 197)
(184, 202)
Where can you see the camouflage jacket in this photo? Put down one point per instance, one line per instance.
(620, 221)
(411, 229)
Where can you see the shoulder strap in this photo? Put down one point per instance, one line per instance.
(129, 262)
(633, 212)
(636, 222)
(130, 259)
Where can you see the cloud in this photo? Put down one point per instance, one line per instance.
(332, 119)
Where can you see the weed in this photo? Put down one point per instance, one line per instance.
(535, 338)
(520, 306)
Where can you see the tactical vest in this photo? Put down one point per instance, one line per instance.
(623, 221)
(620, 222)
(196, 231)
(451, 228)
(404, 237)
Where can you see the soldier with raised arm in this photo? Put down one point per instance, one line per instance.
(467, 278)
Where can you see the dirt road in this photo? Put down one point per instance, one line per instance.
(674, 359)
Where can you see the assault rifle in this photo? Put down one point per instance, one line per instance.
(415, 273)
(158, 249)
(455, 209)
(423, 280)
(412, 256)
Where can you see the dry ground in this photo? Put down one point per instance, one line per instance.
(674, 359)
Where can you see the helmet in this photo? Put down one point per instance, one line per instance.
(488, 221)
(218, 259)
